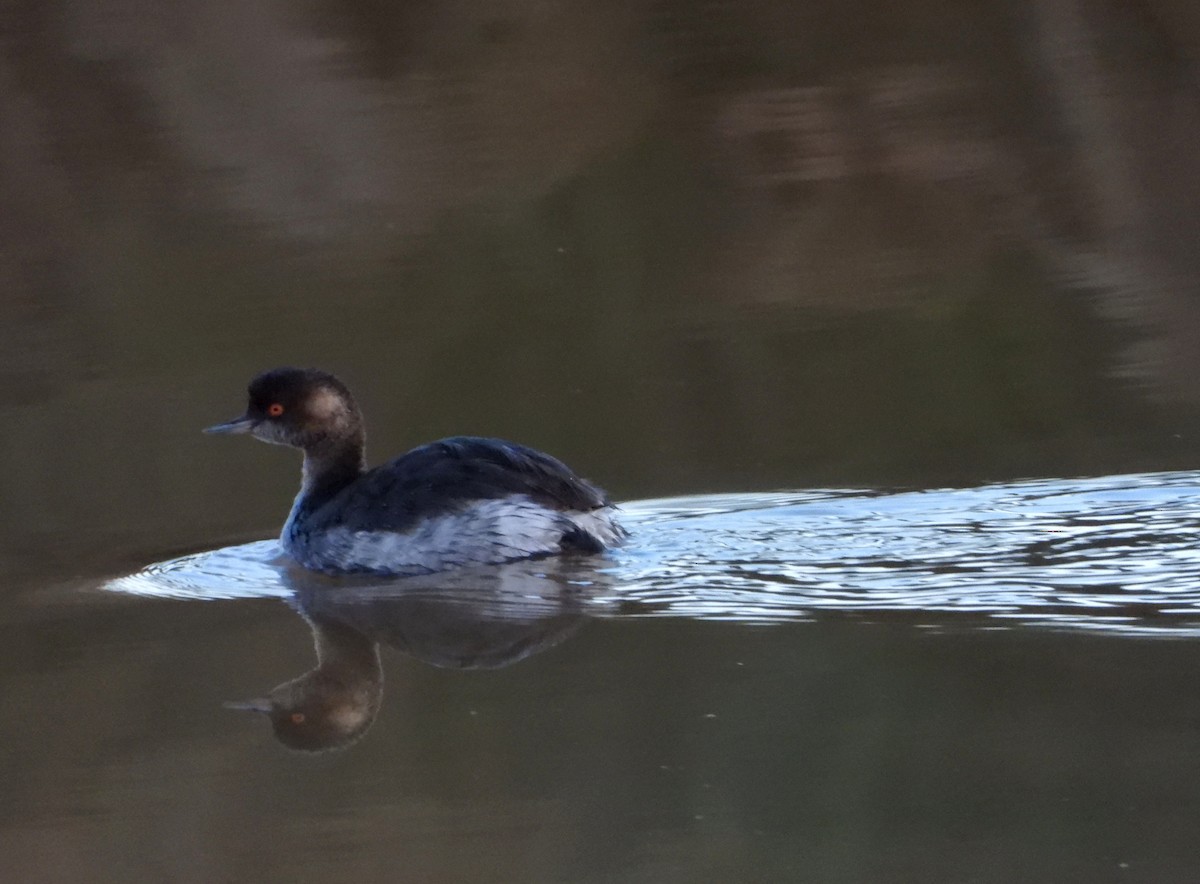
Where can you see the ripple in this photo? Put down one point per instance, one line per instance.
(249, 570)
(1118, 553)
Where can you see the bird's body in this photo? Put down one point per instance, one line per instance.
(460, 501)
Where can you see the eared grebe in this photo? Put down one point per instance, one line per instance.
(460, 501)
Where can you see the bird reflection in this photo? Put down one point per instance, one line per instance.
(333, 704)
(482, 619)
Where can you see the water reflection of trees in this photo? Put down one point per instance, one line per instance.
(910, 244)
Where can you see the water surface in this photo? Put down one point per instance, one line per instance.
(901, 257)
(843, 685)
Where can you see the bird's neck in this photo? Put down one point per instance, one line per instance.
(341, 645)
(331, 466)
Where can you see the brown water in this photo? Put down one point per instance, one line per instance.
(726, 260)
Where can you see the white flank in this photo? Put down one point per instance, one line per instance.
(486, 532)
(601, 525)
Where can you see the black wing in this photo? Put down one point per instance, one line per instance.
(443, 476)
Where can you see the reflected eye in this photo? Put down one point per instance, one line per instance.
(274, 409)
(297, 717)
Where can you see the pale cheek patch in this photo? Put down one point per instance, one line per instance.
(324, 405)
(350, 717)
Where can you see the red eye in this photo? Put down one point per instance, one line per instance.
(274, 409)
(297, 718)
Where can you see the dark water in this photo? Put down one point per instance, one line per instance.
(928, 263)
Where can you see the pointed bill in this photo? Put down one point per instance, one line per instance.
(261, 705)
(237, 425)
